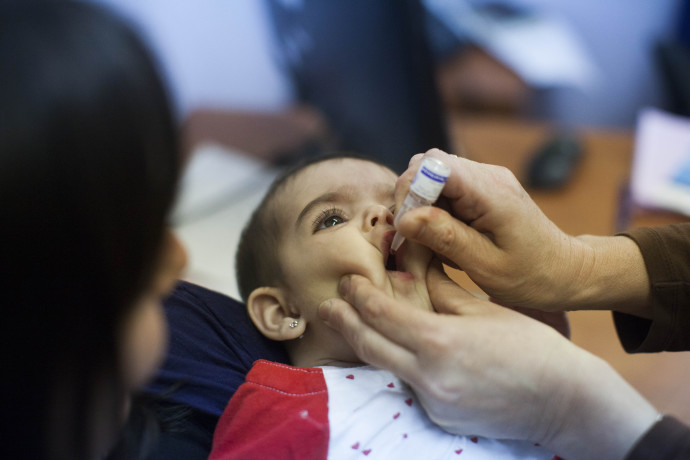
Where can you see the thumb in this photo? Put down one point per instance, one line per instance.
(445, 294)
(447, 236)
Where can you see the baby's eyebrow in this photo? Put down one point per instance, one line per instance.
(329, 197)
(385, 190)
(342, 194)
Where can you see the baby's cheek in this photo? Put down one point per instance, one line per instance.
(368, 267)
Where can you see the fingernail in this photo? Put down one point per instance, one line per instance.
(324, 309)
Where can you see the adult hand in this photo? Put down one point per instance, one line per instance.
(479, 368)
(489, 227)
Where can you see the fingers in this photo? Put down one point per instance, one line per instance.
(447, 296)
(448, 237)
(472, 189)
(402, 185)
(368, 343)
(395, 319)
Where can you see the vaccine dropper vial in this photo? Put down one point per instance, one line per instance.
(424, 191)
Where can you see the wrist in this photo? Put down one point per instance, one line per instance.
(564, 275)
(607, 273)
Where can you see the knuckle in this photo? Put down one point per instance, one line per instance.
(374, 308)
(358, 290)
(444, 239)
(442, 391)
(369, 301)
(341, 318)
(335, 318)
(434, 337)
(505, 179)
(503, 174)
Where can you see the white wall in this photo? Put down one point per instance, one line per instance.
(215, 53)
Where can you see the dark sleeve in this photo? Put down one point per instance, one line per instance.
(666, 253)
(668, 439)
(213, 344)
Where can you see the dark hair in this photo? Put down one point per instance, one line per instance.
(88, 167)
(256, 262)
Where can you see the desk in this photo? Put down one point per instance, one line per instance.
(588, 204)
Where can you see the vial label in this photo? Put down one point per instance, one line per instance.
(428, 184)
(433, 176)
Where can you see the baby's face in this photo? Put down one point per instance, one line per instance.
(338, 220)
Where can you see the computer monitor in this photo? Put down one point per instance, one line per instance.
(368, 66)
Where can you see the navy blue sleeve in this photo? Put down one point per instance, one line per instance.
(213, 344)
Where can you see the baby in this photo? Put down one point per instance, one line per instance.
(322, 220)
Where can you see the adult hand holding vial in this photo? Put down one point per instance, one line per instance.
(424, 191)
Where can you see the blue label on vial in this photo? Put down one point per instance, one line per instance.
(433, 176)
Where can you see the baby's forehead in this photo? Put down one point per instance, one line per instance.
(351, 169)
(330, 176)
(338, 172)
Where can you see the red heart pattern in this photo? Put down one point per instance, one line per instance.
(409, 402)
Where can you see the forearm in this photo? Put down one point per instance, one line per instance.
(607, 273)
(599, 415)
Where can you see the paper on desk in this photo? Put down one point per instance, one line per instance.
(661, 165)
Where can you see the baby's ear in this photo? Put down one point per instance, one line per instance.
(268, 309)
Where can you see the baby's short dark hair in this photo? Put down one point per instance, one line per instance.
(256, 261)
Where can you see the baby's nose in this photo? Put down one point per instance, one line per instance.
(380, 214)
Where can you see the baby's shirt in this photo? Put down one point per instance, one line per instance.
(283, 411)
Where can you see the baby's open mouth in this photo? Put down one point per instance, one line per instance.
(394, 262)
(391, 263)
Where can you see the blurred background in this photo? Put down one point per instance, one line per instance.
(260, 83)
(558, 92)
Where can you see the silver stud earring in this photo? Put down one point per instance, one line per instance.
(294, 323)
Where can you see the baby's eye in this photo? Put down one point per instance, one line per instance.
(333, 221)
(329, 218)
